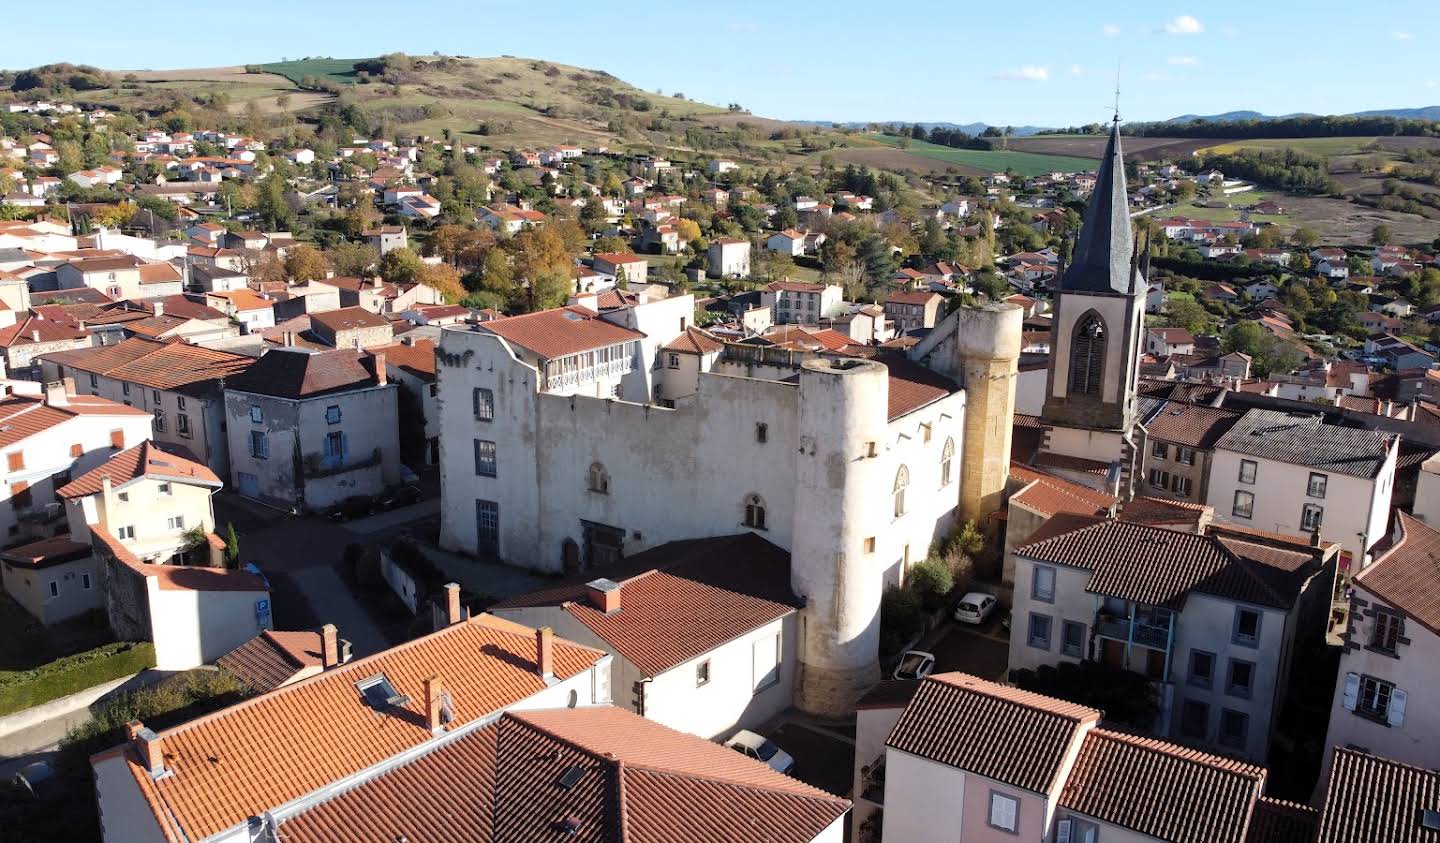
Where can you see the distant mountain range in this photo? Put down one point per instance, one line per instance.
(1429, 112)
(968, 128)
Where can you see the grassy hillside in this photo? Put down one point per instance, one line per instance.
(339, 70)
(991, 160)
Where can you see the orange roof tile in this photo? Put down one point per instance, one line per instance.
(157, 365)
(666, 620)
(1048, 494)
(146, 460)
(1406, 572)
(1015, 737)
(560, 332)
(271, 659)
(639, 782)
(271, 749)
(1161, 790)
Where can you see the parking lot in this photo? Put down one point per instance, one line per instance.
(982, 651)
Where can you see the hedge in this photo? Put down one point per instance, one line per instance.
(28, 688)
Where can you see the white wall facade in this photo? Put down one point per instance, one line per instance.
(1356, 509)
(191, 628)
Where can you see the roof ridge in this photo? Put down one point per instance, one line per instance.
(817, 795)
(1160, 746)
(1013, 694)
(351, 666)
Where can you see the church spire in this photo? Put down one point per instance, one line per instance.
(1101, 262)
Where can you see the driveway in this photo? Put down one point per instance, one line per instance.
(982, 651)
(824, 752)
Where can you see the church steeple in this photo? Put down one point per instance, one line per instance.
(1103, 258)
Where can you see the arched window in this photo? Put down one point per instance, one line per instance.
(902, 479)
(755, 512)
(947, 455)
(1087, 355)
(599, 479)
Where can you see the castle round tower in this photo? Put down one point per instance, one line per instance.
(842, 460)
(987, 345)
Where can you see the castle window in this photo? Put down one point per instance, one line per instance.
(762, 432)
(1087, 355)
(599, 479)
(755, 512)
(902, 479)
(947, 455)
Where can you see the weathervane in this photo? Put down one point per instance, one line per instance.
(1117, 90)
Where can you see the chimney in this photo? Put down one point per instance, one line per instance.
(35, 335)
(380, 377)
(545, 653)
(69, 385)
(1315, 537)
(159, 308)
(289, 338)
(329, 646)
(437, 717)
(56, 395)
(147, 745)
(452, 603)
(604, 595)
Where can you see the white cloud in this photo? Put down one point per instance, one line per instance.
(1187, 60)
(1111, 30)
(1402, 36)
(1155, 77)
(1431, 83)
(1183, 25)
(1076, 70)
(1027, 73)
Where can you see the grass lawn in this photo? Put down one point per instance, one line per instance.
(992, 160)
(339, 70)
(1324, 147)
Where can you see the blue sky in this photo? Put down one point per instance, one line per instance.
(1046, 62)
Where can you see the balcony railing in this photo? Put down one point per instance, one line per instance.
(1136, 631)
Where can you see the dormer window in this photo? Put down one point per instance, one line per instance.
(379, 693)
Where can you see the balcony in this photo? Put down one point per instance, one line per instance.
(1124, 629)
(569, 378)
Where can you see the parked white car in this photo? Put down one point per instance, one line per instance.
(915, 664)
(975, 607)
(761, 749)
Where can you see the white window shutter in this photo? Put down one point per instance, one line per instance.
(1062, 831)
(1396, 713)
(1352, 690)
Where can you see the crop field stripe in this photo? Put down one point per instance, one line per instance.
(993, 160)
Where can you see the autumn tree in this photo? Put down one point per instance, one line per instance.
(400, 266)
(443, 279)
(353, 259)
(304, 263)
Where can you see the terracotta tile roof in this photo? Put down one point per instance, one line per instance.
(347, 319)
(31, 330)
(996, 731)
(1049, 459)
(47, 553)
(794, 286)
(155, 326)
(294, 373)
(159, 273)
(665, 620)
(1161, 567)
(1407, 573)
(1191, 425)
(1048, 494)
(560, 332)
(85, 295)
(1278, 821)
(271, 749)
(244, 300)
(175, 366)
(1026, 421)
(271, 659)
(1162, 511)
(694, 341)
(916, 297)
(1369, 799)
(1161, 790)
(22, 416)
(107, 263)
(1174, 336)
(641, 782)
(417, 358)
(912, 385)
(149, 460)
(1303, 440)
(185, 307)
(619, 258)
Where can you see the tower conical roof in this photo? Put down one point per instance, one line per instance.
(1101, 262)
